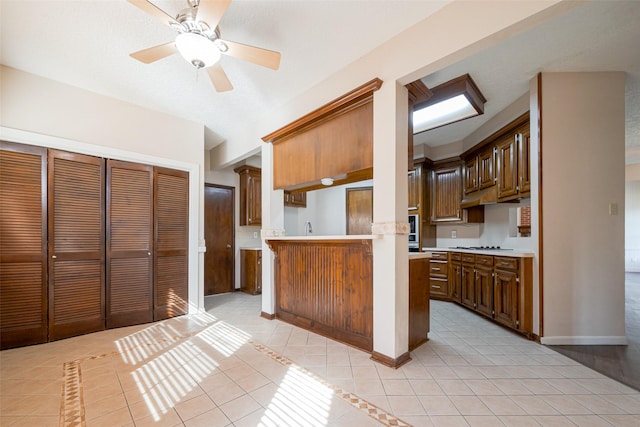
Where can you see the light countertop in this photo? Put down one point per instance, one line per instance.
(514, 253)
(342, 237)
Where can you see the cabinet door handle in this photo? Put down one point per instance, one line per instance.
(54, 257)
(435, 286)
(435, 269)
(228, 246)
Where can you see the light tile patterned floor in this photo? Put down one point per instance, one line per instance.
(232, 367)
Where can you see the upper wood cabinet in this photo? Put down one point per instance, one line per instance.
(296, 200)
(250, 195)
(470, 174)
(334, 141)
(486, 168)
(524, 161)
(446, 195)
(513, 165)
(414, 184)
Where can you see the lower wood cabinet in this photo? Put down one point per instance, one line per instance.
(497, 287)
(508, 307)
(438, 276)
(418, 302)
(251, 271)
(455, 277)
(484, 284)
(468, 281)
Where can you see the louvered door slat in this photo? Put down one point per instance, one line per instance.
(76, 244)
(129, 243)
(171, 228)
(23, 257)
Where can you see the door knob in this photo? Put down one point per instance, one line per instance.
(228, 246)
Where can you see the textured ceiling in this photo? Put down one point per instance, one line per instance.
(86, 43)
(597, 36)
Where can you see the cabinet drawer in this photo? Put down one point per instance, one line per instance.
(507, 263)
(439, 256)
(485, 260)
(439, 287)
(455, 256)
(469, 258)
(438, 269)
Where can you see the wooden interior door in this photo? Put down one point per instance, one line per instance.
(129, 244)
(76, 244)
(171, 230)
(219, 236)
(23, 247)
(359, 210)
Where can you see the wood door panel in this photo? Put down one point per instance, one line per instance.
(218, 233)
(171, 231)
(76, 244)
(171, 286)
(447, 194)
(484, 290)
(129, 243)
(507, 167)
(505, 298)
(23, 251)
(359, 210)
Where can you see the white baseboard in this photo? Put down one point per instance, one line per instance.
(584, 340)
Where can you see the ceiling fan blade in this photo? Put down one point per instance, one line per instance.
(257, 55)
(219, 78)
(155, 53)
(154, 11)
(211, 11)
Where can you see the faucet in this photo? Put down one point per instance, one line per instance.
(307, 228)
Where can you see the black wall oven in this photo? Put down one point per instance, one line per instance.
(414, 233)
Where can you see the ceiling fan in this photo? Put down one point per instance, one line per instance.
(199, 42)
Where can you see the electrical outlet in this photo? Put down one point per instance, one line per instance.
(255, 234)
(454, 234)
(613, 209)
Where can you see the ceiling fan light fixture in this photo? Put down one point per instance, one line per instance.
(197, 49)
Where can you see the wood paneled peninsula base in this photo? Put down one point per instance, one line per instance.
(325, 285)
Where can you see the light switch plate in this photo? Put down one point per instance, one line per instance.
(613, 209)
(454, 234)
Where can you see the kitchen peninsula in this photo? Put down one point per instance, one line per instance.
(325, 284)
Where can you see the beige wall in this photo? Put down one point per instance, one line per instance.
(43, 112)
(583, 144)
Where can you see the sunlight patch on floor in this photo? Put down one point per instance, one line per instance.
(301, 400)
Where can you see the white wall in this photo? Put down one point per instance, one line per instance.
(493, 232)
(583, 140)
(326, 210)
(42, 112)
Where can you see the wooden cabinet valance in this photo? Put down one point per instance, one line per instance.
(334, 141)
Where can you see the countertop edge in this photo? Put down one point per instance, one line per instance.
(515, 253)
(345, 237)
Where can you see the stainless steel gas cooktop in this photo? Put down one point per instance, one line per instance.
(481, 248)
